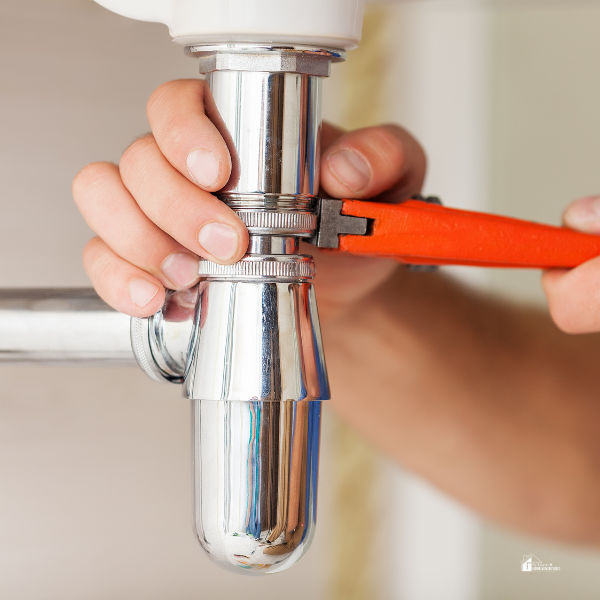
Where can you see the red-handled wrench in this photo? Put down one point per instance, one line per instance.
(419, 232)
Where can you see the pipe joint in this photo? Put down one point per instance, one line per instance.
(267, 58)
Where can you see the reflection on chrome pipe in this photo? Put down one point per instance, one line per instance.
(257, 340)
(256, 376)
(62, 326)
(255, 482)
(274, 122)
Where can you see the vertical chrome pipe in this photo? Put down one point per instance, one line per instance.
(255, 501)
(256, 372)
(256, 376)
(273, 128)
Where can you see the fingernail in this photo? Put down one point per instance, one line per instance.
(220, 240)
(203, 166)
(142, 291)
(180, 269)
(584, 214)
(351, 169)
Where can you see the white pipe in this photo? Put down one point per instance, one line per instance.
(325, 23)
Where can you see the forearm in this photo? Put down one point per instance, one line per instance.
(488, 401)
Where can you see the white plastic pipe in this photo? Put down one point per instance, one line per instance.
(333, 24)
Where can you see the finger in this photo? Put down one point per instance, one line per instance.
(113, 214)
(330, 134)
(367, 162)
(574, 297)
(584, 215)
(189, 139)
(193, 217)
(120, 284)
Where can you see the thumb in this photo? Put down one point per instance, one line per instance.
(367, 162)
(584, 215)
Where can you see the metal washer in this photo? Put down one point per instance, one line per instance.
(261, 267)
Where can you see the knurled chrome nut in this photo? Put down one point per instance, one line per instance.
(278, 223)
(304, 64)
(268, 267)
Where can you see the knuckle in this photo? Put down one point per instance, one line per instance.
(160, 99)
(164, 89)
(89, 178)
(174, 138)
(400, 147)
(102, 270)
(92, 254)
(170, 204)
(158, 94)
(560, 312)
(389, 145)
(134, 154)
(390, 135)
(109, 273)
(382, 146)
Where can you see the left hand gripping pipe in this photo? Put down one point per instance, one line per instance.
(245, 343)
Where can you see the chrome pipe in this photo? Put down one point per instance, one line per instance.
(256, 371)
(62, 327)
(274, 123)
(271, 244)
(256, 341)
(255, 481)
(256, 375)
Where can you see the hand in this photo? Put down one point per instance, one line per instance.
(154, 214)
(574, 295)
(384, 162)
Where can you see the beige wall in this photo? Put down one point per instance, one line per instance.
(545, 152)
(545, 115)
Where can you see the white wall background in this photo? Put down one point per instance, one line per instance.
(545, 152)
(439, 89)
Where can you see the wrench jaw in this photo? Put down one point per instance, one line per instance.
(331, 223)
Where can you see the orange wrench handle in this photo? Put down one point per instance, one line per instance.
(417, 232)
